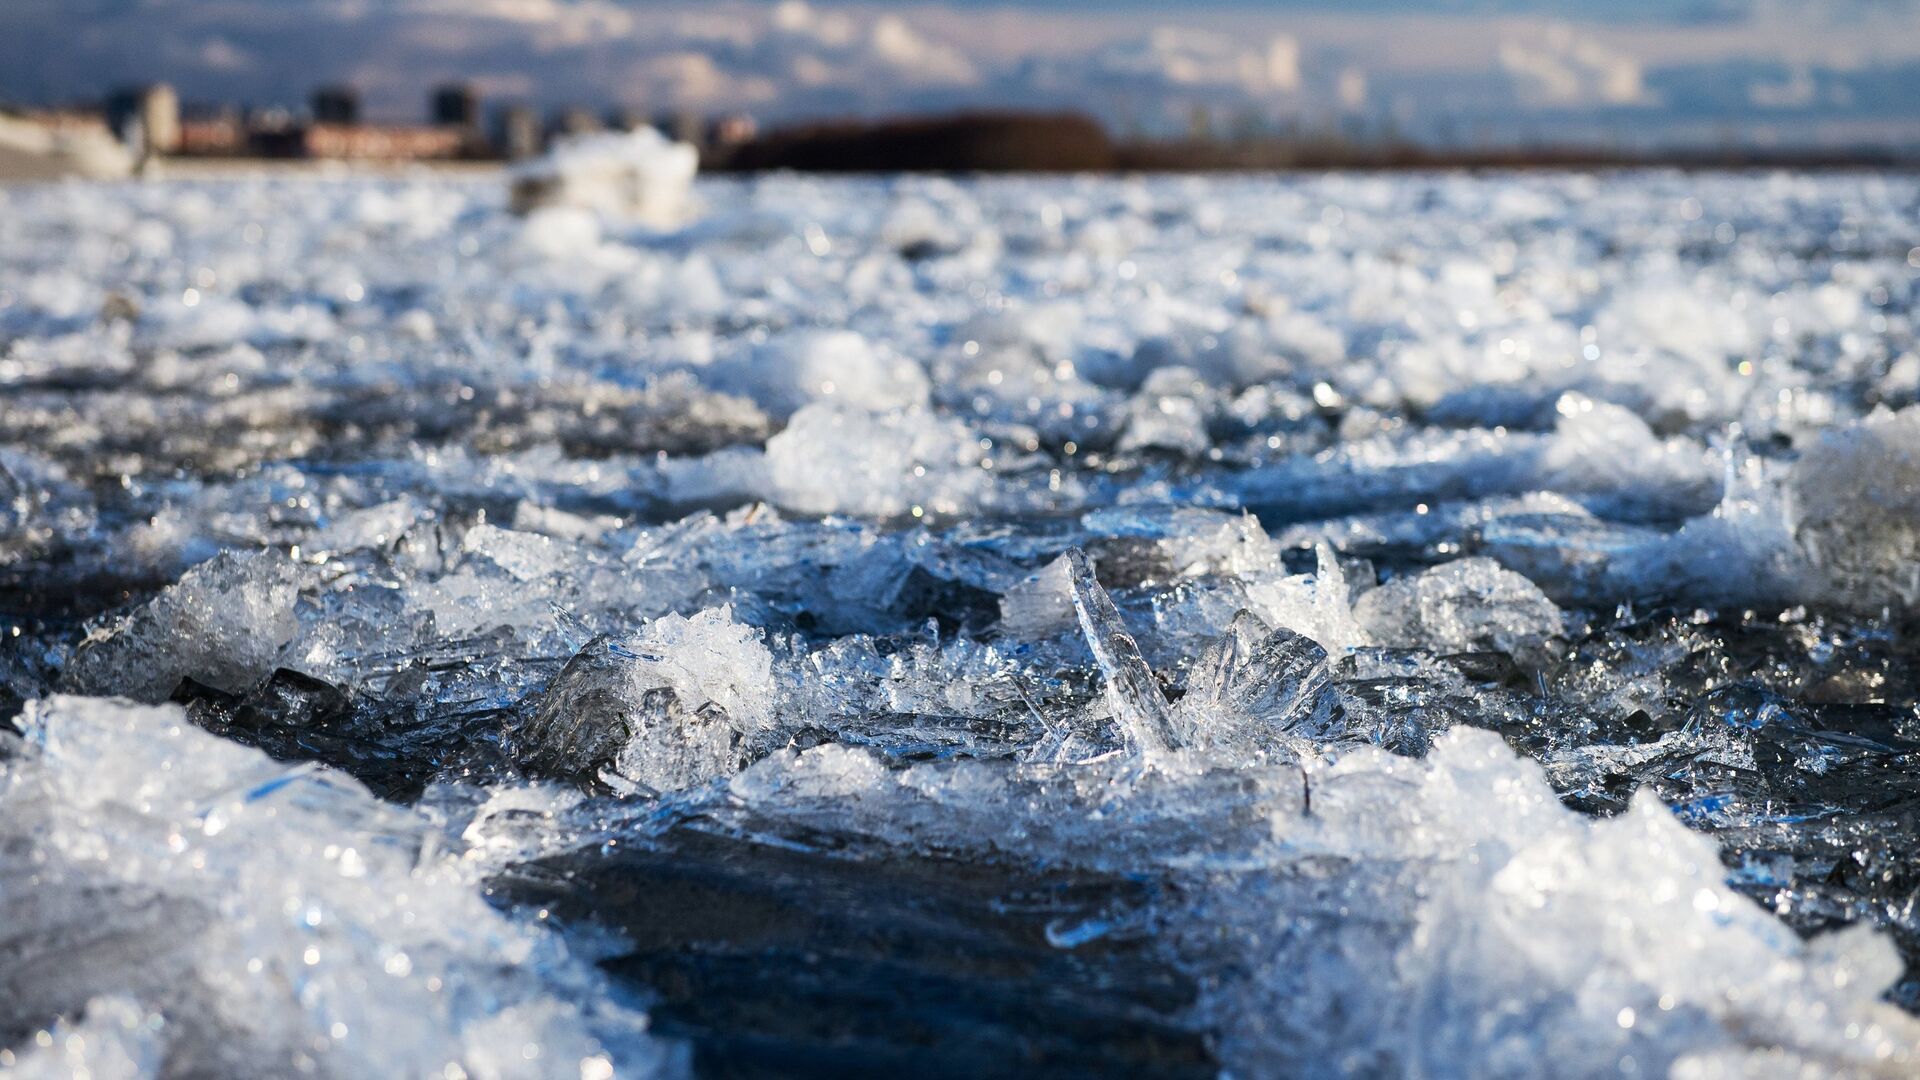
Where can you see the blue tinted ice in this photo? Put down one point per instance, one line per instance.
(1394, 625)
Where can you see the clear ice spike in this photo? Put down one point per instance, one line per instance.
(1140, 708)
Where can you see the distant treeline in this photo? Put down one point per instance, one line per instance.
(1069, 142)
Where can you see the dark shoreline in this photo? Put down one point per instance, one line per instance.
(1070, 143)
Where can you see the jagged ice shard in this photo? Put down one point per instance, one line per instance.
(638, 626)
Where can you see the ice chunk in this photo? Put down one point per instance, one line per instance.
(711, 659)
(560, 232)
(1317, 605)
(561, 525)
(586, 715)
(917, 230)
(640, 175)
(279, 919)
(677, 705)
(796, 369)
(1140, 706)
(222, 625)
(368, 528)
(1609, 453)
(832, 459)
(672, 745)
(835, 460)
(1856, 508)
(1251, 688)
(1169, 413)
(1605, 938)
(525, 556)
(1469, 605)
(1181, 810)
(1041, 604)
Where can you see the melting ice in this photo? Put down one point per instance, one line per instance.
(1427, 625)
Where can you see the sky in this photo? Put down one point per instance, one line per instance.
(1643, 72)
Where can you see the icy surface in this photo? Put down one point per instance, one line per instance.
(1417, 625)
(276, 918)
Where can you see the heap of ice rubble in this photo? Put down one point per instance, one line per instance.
(1420, 625)
(630, 176)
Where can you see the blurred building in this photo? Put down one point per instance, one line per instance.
(336, 105)
(734, 129)
(146, 118)
(219, 132)
(384, 142)
(682, 125)
(516, 132)
(52, 143)
(576, 120)
(626, 118)
(455, 105)
(365, 142)
(88, 121)
(268, 118)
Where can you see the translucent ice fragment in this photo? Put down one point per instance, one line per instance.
(1317, 605)
(1179, 811)
(1470, 605)
(1041, 604)
(1251, 687)
(675, 706)
(711, 658)
(1169, 413)
(1856, 507)
(223, 624)
(831, 459)
(673, 746)
(369, 528)
(587, 714)
(1145, 718)
(525, 556)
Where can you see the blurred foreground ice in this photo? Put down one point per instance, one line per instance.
(1418, 625)
(631, 176)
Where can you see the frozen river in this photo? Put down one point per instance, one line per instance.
(1379, 625)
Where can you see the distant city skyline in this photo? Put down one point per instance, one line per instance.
(1632, 71)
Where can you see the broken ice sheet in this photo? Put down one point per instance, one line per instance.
(701, 568)
(280, 918)
(1469, 605)
(678, 704)
(222, 624)
(1251, 689)
(1569, 924)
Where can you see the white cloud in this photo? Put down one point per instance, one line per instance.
(1179, 57)
(1159, 77)
(1563, 68)
(1796, 91)
(220, 54)
(893, 41)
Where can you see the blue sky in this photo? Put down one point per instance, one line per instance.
(1651, 11)
(1686, 72)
